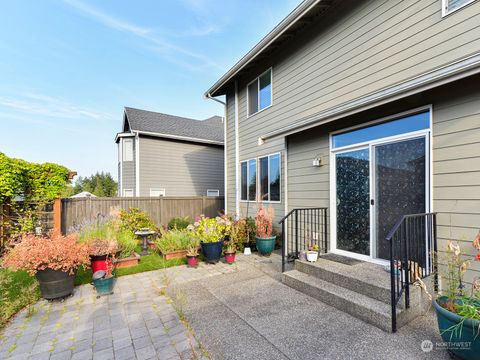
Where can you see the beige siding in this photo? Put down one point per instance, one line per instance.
(181, 168)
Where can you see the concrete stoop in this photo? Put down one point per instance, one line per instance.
(361, 290)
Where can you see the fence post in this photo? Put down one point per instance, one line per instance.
(57, 216)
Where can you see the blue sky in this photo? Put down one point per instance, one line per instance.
(68, 68)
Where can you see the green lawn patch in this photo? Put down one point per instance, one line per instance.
(17, 290)
(153, 261)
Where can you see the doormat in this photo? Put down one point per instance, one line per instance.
(341, 259)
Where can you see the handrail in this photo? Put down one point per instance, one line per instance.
(301, 228)
(413, 243)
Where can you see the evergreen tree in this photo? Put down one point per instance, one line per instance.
(99, 184)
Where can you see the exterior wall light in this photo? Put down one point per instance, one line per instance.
(318, 161)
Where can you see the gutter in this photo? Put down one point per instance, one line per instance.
(273, 35)
(178, 137)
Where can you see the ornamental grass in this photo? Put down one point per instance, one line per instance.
(57, 252)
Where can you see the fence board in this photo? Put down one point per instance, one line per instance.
(161, 210)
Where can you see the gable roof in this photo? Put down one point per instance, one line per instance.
(305, 13)
(170, 126)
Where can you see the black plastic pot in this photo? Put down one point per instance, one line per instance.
(55, 284)
(212, 251)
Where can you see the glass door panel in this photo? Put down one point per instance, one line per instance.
(400, 186)
(353, 201)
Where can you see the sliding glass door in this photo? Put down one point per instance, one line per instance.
(376, 182)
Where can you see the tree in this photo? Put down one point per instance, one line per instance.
(100, 184)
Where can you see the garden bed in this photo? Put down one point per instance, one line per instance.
(127, 262)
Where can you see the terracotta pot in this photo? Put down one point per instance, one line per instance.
(178, 254)
(127, 262)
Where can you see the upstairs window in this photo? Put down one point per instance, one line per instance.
(259, 93)
(450, 6)
(248, 180)
(269, 172)
(127, 149)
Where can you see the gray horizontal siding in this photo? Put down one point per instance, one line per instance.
(181, 168)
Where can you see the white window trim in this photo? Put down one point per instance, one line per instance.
(258, 95)
(332, 169)
(160, 190)
(280, 184)
(213, 190)
(124, 153)
(126, 190)
(446, 11)
(248, 177)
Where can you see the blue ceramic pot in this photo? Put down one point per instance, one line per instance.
(457, 341)
(212, 251)
(265, 246)
(104, 286)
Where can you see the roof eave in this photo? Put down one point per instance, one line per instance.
(178, 137)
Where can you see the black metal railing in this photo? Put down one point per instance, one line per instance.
(302, 229)
(413, 246)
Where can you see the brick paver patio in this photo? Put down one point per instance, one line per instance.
(138, 321)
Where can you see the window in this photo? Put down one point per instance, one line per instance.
(211, 192)
(249, 180)
(269, 172)
(128, 192)
(395, 127)
(127, 149)
(259, 91)
(452, 5)
(157, 192)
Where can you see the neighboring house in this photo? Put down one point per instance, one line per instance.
(369, 109)
(83, 194)
(166, 155)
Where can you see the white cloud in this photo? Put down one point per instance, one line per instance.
(154, 41)
(29, 103)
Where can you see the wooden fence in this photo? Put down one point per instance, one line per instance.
(161, 209)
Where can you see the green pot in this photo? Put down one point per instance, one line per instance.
(265, 246)
(104, 286)
(456, 340)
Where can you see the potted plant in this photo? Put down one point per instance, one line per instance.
(53, 260)
(458, 310)
(173, 244)
(312, 253)
(230, 251)
(264, 231)
(101, 240)
(211, 232)
(104, 280)
(192, 252)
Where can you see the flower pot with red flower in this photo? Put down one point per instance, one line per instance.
(264, 238)
(101, 240)
(54, 261)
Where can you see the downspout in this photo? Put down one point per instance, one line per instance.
(225, 181)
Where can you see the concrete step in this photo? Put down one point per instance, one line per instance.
(363, 307)
(364, 278)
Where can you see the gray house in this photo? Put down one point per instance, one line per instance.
(349, 118)
(166, 155)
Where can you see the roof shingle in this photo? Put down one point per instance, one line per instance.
(210, 129)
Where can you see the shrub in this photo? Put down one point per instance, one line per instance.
(101, 238)
(57, 252)
(243, 231)
(127, 242)
(135, 219)
(209, 230)
(179, 223)
(264, 222)
(173, 240)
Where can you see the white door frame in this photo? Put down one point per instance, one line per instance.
(426, 133)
